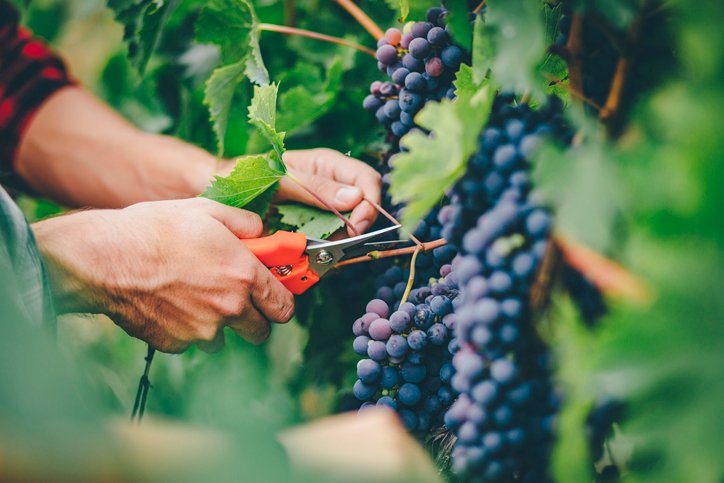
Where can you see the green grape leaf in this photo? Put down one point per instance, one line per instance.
(432, 164)
(142, 23)
(252, 176)
(218, 95)
(513, 39)
(262, 114)
(303, 104)
(311, 221)
(255, 177)
(232, 26)
(458, 22)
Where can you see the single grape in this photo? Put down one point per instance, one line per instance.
(380, 330)
(362, 391)
(387, 54)
(397, 346)
(420, 48)
(414, 82)
(377, 350)
(452, 56)
(393, 36)
(438, 36)
(399, 75)
(360, 345)
(503, 371)
(437, 334)
(371, 103)
(390, 377)
(421, 29)
(368, 371)
(409, 394)
(434, 67)
(387, 401)
(417, 340)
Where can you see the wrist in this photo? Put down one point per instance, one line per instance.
(71, 247)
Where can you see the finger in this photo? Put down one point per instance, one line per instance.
(329, 163)
(341, 196)
(242, 223)
(271, 298)
(213, 345)
(363, 216)
(251, 326)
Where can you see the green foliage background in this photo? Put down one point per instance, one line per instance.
(649, 197)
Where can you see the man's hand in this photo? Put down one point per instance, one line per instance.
(341, 181)
(171, 273)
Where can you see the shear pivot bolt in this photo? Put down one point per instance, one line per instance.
(324, 257)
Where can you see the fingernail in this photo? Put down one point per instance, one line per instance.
(362, 226)
(348, 194)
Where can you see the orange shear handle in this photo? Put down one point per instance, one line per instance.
(283, 253)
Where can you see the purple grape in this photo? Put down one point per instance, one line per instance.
(409, 394)
(363, 392)
(397, 346)
(368, 371)
(434, 67)
(380, 330)
(377, 350)
(378, 307)
(390, 377)
(417, 340)
(420, 48)
(360, 344)
(387, 54)
(371, 103)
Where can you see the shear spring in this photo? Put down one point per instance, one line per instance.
(283, 270)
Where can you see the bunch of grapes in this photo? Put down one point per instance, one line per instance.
(408, 353)
(503, 418)
(421, 63)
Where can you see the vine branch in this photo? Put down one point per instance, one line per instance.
(387, 215)
(607, 275)
(611, 109)
(572, 91)
(315, 35)
(481, 6)
(364, 20)
(573, 52)
(379, 254)
(324, 203)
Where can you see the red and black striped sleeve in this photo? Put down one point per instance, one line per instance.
(29, 74)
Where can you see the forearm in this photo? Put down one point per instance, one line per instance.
(79, 152)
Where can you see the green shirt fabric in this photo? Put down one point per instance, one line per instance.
(20, 257)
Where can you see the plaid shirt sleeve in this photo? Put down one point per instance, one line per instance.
(29, 74)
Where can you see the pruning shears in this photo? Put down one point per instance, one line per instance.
(299, 261)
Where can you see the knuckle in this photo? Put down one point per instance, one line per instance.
(246, 279)
(206, 333)
(230, 307)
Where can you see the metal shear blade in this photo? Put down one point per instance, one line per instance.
(324, 255)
